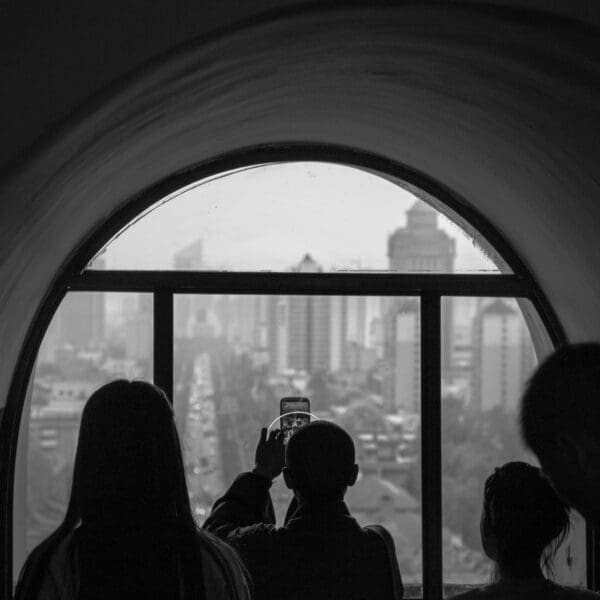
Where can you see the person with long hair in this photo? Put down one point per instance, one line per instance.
(523, 522)
(129, 531)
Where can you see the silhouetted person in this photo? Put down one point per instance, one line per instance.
(321, 552)
(523, 522)
(560, 422)
(129, 531)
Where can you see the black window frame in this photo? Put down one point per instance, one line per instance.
(429, 288)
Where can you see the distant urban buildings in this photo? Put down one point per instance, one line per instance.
(138, 329)
(369, 346)
(80, 323)
(402, 374)
(318, 333)
(193, 312)
(421, 247)
(486, 354)
(503, 355)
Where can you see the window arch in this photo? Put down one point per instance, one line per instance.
(429, 289)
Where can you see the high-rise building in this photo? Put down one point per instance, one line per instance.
(503, 355)
(138, 329)
(319, 328)
(401, 378)
(278, 333)
(299, 328)
(352, 346)
(81, 320)
(338, 332)
(309, 335)
(357, 319)
(420, 247)
(243, 320)
(314, 333)
(192, 310)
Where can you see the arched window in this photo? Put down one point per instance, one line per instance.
(322, 272)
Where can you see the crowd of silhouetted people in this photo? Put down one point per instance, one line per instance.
(129, 531)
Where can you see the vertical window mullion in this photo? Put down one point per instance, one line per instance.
(163, 342)
(592, 550)
(431, 471)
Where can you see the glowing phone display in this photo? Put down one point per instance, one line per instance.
(294, 414)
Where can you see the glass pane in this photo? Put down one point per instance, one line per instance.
(301, 215)
(92, 339)
(357, 359)
(490, 346)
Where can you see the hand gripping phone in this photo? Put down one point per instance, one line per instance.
(294, 411)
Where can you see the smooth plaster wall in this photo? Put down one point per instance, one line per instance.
(502, 109)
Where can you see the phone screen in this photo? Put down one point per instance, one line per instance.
(291, 417)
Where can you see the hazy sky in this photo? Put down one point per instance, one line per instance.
(269, 217)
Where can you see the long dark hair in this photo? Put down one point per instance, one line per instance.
(128, 466)
(527, 518)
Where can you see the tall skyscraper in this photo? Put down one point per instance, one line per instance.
(503, 355)
(309, 325)
(138, 329)
(80, 321)
(243, 320)
(278, 333)
(191, 310)
(338, 332)
(299, 328)
(314, 333)
(351, 334)
(420, 247)
(357, 319)
(402, 380)
(83, 319)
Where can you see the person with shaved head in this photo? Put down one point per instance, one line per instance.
(320, 552)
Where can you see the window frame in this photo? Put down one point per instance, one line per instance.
(430, 288)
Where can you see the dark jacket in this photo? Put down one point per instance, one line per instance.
(321, 552)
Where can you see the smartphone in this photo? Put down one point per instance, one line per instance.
(291, 409)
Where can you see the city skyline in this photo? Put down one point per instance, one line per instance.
(269, 217)
(356, 357)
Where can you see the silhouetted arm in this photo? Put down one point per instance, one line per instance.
(245, 504)
(245, 519)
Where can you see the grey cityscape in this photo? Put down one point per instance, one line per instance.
(356, 358)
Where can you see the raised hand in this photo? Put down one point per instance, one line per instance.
(270, 454)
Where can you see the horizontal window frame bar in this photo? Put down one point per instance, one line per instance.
(285, 283)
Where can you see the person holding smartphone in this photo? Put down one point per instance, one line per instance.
(320, 552)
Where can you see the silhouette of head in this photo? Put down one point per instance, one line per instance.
(560, 422)
(128, 485)
(523, 520)
(127, 456)
(320, 462)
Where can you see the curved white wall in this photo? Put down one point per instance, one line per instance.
(503, 111)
